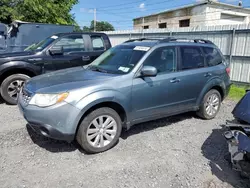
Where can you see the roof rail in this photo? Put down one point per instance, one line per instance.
(142, 39)
(172, 39)
(203, 41)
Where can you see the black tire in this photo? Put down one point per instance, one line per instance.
(81, 136)
(5, 84)
(202, 110)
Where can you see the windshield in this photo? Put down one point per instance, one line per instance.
(42, 44)
(118, 60)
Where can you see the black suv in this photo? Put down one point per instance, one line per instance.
(60, 51)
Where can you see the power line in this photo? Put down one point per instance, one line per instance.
(155, 3)
(123, 4)
(173, 8)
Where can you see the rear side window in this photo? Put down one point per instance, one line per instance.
(191, 58)
(213, 56)
(97, 43)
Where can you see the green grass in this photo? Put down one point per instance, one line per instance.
(237, 92)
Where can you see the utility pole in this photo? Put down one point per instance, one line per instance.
(143, 27)
(95, 20)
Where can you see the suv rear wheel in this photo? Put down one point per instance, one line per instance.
(210, 105)
(100, 130)
(11, 86)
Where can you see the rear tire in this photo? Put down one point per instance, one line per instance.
(210, 105)
(100, 130)
(11, 86)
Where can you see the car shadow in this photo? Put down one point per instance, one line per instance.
(150, 125)
(51, 144)
(215, 149)
(1, 100)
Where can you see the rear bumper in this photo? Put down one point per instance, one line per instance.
(227, 90)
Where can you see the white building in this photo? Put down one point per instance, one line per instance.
(205, 13)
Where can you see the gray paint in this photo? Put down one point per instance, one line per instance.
(142, 98)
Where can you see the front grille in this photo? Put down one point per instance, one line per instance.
(26, 96)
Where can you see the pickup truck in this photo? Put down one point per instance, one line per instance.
(59, 51)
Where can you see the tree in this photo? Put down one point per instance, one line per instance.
(43, 11)
(100, 26)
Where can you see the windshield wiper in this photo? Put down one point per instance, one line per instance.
(98, 69)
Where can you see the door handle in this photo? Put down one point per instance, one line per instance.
(175, 80)
(85, 58)
(208, 74)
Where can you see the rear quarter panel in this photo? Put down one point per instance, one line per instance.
(219, 78)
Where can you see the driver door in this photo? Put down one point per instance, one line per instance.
(154, 96)
(74, 52)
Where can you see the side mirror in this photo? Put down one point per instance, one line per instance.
(56, 51)
(148, 71)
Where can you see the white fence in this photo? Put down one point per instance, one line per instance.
(233, 40)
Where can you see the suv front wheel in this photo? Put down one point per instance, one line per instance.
(210, 105)
(100, 130)
(11, 86)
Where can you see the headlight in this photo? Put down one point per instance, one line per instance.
(44, 100)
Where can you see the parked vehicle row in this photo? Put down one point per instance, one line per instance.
(136, 81)
(59, 51)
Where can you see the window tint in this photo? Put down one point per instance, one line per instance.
(73, 43)
(97, 43)
(191, 57)
(163, 59)
(212, 55)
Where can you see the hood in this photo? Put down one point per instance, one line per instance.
(66, 80)
(16, 54)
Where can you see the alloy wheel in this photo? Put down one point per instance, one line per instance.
(101, 131)
(212, 104)
(14, 88)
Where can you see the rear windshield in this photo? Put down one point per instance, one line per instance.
(119, 60)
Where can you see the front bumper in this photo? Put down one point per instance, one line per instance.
(58, 121)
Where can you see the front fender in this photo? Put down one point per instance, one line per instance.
(20, 65)
(103, 96)
(216, 82)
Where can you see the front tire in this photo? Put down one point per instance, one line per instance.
(99, 131)
(11, 86)
(210, 105)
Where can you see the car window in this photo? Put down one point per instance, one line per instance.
(2, 41)
(72, 43)
(213, 56)
(191, 57)
(163, 59)
(97, 43)
(120, 59)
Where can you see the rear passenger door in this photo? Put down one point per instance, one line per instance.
(193, 74)
(97, 46)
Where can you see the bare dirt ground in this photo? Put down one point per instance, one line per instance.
(181, 151)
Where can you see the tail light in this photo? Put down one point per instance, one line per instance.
(228, 71)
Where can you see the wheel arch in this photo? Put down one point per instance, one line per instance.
(213, 84)
(17, 67)
(109, 104)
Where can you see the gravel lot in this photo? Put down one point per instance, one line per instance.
(181, 151)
